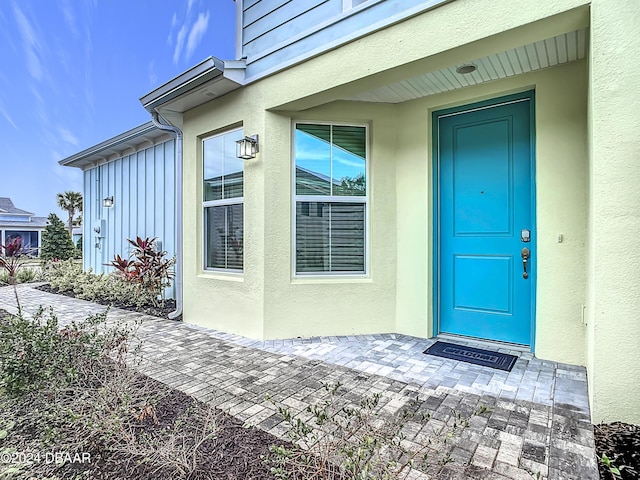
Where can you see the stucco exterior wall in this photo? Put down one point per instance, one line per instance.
(614, 198)
(225, 301)
(587, 150)
(561, 179)
(341, 306)
(396, 296)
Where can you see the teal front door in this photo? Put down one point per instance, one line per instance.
(484, 221)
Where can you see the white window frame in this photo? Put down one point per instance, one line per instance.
(218, 203)
(331, 199)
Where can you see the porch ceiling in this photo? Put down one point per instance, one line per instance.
(557, 50)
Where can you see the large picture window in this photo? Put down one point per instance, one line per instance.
(223, 202)
(330, 199)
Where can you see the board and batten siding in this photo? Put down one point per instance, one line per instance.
(277, 34)
(143, 188)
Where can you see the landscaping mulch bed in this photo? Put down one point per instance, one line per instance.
(200, 442)
(233, 453)
(620, 442)
(161, 311)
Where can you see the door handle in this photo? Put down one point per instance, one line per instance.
(525, 254)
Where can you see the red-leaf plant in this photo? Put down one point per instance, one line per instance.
(10, 260)
(146, 267)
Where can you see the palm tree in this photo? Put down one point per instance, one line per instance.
(70, 202)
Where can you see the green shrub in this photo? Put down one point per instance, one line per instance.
(29, 274)
(36, 352)
(56, 241)
(70, 390)
(69, 277)
(24, 275)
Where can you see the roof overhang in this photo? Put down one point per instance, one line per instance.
(24, 226)
(209, 79)
(544, 43)
(142, 136)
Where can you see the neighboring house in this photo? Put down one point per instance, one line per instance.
(15, 222)
(128, 191)
(77, 234)
(459, 167)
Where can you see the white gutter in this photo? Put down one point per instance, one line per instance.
(178, 209)
(184, 92)
(209, 69)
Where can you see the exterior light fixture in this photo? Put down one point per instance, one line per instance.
(466, 69)
(247, 148)
(107, 202)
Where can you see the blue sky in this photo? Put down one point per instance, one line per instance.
(71, 73)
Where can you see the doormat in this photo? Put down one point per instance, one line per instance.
(477, 356)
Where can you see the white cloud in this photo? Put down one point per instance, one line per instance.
(197, 33)
(6, 115)
(189, 34)
(153, 76)
(32, 45)
(179, 44)
(88, 70)
(68, 178)
(349, 163)
(174, 22)
(39, 110)
(69, 17)
(67, 136)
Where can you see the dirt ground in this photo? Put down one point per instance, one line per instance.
(621, 443)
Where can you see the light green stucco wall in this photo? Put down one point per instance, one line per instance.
(336, 306)
(228, 302)
(586, 182)
(561, 182)
(614, 220)
(396, 297)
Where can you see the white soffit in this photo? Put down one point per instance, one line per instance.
(535, 56)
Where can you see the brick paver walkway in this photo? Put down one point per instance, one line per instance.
(538, 420)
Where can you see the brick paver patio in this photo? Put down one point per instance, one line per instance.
(538, 420)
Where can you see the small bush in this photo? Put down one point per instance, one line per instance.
(35, 352)
(24, 275)
(69, 277)
(29, 274)
(71, 389)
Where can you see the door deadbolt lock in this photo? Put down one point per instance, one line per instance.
(525, 236)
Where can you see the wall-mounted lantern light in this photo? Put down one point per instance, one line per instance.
(247, 148)
(107, 202)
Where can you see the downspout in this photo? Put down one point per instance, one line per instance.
(178, 209)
